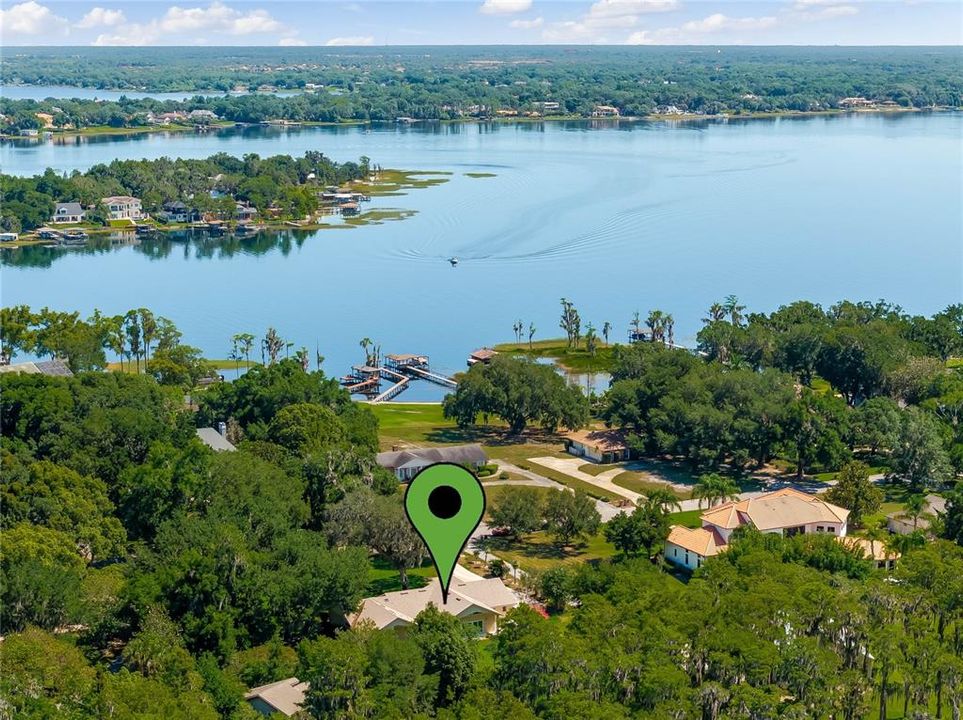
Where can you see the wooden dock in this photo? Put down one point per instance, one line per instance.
(399, 370)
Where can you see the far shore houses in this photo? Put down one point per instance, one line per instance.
(785, 512)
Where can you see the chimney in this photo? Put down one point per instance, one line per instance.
(222, 428)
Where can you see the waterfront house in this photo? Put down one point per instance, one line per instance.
(601, 111)
(244, 212)
(482, 355)
(900, 523)
(785, 512)
(123, 207)
(601, 446)
(202, 116)
(69, 212)
(479, 604)
(9, 236)
(405, 464)
(284, 697)
(29, 132)
(177, 211)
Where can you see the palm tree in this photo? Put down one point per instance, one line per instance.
(663, 498)
(716, 313)
(272, 344)
(733, 309)
(302, 357)
(636, 322)
(669, 322)
(132, 329)
(590, 338)
(148, 329)
(244, 341)
(916, 508)
(366, 343)
(875, 535)
(715, 488)
(531, 334)
(236, 356)
(606, 329)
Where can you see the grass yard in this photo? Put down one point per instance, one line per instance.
(575, 359)
(688, 518)
(383, 578)
(539, 552)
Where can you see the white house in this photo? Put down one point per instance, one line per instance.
(477, 603)
(405, 464)
(69, 212)
(784, 512)
(123, 207)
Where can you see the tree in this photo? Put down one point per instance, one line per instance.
(570, 323)
(302, 427)
(606, 329)
(916, 507)
(855, 492)
(181, 365)
(571, 516)
(449, 652)
(519, 509)
(919, 457)
(336, 671)
(272, 344)
(591, 339)
(531, 334)
(379, 523)
(715, 488)
(555, 587)
(519, 391)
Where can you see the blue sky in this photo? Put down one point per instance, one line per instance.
(482, 22)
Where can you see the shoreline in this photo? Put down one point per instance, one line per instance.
(101, 131)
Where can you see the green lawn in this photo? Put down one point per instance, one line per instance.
(576, 359)
(383, 578)
(538, 551)
(688, 518)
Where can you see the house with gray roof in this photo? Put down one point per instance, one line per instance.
(52, 368)
(68, 212)
(284, 696)
(214, 440)
(405, 464)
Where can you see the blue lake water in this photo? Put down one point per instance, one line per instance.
(617, 219)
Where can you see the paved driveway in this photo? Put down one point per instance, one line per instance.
(570, 466)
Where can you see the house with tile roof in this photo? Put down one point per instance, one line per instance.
(785, 512)
(477, 603)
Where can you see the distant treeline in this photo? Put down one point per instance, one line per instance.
(447, 83)
(214, 183)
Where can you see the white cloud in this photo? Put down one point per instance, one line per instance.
(30, 18)
(353, 40)
(695, 32)
(101, 17)
(178, 24)
(504, 7)
(526, 24)
(291, 42)
(823, 9)
(605, 15)
(219, 17)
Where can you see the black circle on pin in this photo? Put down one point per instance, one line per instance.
(444, 502)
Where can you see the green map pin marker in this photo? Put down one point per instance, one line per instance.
(445, 503)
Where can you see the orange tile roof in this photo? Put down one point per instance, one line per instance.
(702, 541)
(779, 509)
